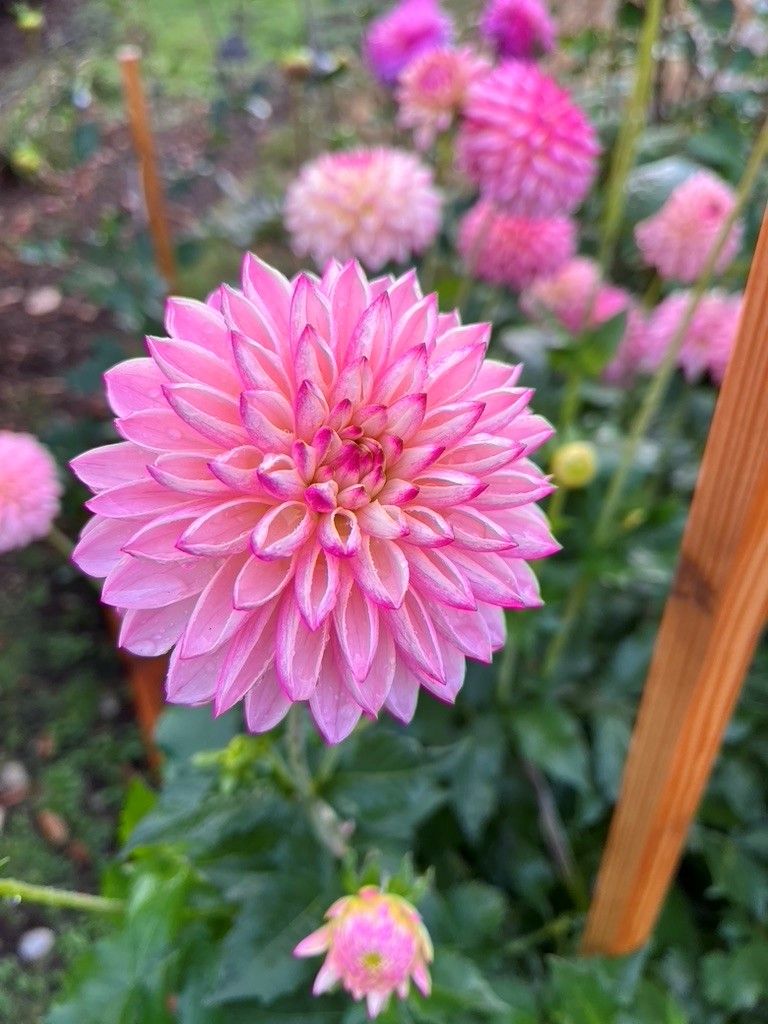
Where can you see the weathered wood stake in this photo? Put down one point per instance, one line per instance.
(143, 143)
(709, 630)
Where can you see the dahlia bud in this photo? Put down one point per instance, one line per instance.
(375, 944)
(29, 490)
(574, 465)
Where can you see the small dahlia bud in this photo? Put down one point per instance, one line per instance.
(679, 239)
(29, 490)
(574, 465)
(376, 944)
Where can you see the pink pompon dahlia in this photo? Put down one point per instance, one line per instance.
(432, 88)
(409, 29)
(376, 944)
(575, 297)
(678, 240)
(525, 143)
(708, 341)
(323, 494)
(503, 249)
(375, 205)
(29, 490)
(518, 29)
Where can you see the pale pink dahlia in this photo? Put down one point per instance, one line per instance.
(376, 944)
(323, 494)
(374, 205)
(503, 249)
(409, 29)
(520, 29)
(679, 239)
(29, 490)
(432, 88)
(575, 297)
(525, 143)
(708, 341)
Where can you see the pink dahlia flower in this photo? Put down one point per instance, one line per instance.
(403, 33)
(519, 29)
(432, 89)
(525, 143)
(29, 490)
(708, 341)
(575, 297)
(376, 944)
(503, 249)
(323, 494)
(679, 239)
(374, 205)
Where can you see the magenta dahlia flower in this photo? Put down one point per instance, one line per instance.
(375, 205)
(432, 89)
(323, 494)
(525, 143)
(29, 490)
(678, 240)
(409, 29)
(376, 944)
(503, 249)
(708, 341)
(518, 29)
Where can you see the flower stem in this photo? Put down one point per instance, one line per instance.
(554, 929)
(297, 753)
(60, 542)
(632, 123)
(12, 889)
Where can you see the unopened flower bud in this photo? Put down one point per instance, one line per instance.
(574, 464)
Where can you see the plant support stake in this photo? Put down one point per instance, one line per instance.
(710, 627)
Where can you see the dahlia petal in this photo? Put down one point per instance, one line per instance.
(350, 297)
(299, 651)
(314, 359)
(186, 472)
(158, 539)
(418, 326)
(415, 637)
(283, 530)
(322, 497)
(210, 412)
(441, 488)
(421, 978)
(314, 944)
(384, 521)
(397, 492)
(311, 410)
(335, 712)
(356, 624)
(496, 624)
(478, 532)
(144, 498)
(466, 630)
(404, 293)
(406, 375)
(238, 468)
(502, 405)
(260, 582)
(191, 320)
(512, 487)
(414, 460)
(152, 632)
(268, 290)
(263, 414)
(184, 362)
(406, 415)
(450, 424)
(316, 583)
(134, 386)
(373, 332)
(249, 655)
(481, 454)
(339, 533)
(455, 372)
(161, 430)
(224, 530)
(244, 318)
(498, 580)
(308, 306)
(529, 528)
(131, 585)
(99, 549)
(258, 366)
(455, 666)
(436, 576)
(381, 569)
(110, 465)
(530, 430)
(214, 619)
(426, 527)
(277, 475)
(192, 680)
(403, 695)
(325, 980)
(265, 704)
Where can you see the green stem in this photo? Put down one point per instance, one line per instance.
(44, 895)
(554, 929)
(296, 752)
(556, 506)
(632, 123)
(652, 292)
(570, 614)
(60, 542)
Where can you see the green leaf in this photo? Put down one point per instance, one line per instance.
(139, 801)
(611, 742)
(737, 980)
(552, 738)
(592, 350)
(475, 789)
(459, 985)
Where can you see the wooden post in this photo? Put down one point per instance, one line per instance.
(711, 624)
(143, 143)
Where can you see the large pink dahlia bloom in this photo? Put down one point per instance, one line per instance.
(709, 339)
(323, 494)
(679, 239)
(29, 490)
(375, 205)
(432, 89)
(507, 250)
(520, 29)
(376, 944)
(411, 28)
(525, 143)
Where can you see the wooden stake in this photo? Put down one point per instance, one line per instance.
(709, 630)
(143, 143)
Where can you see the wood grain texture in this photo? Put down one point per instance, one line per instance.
(711, 624)
(129, 58)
